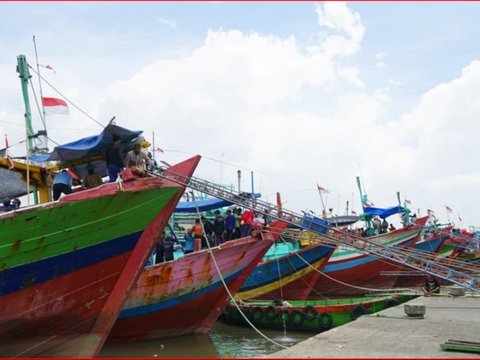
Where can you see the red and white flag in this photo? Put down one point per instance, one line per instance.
(54, 105)
(321, 189)
(49, 67)
(367, 203)
(159, 150)
(354, 212)
(408, 202)
(9, 159)
(449, 209)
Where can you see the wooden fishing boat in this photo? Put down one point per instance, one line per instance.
(186, 296)
(67, 266)
(287, 277)
(310, 316)
(349, 272)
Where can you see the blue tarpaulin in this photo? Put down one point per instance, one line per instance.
(207, 204)
(89, 146)
(383, 212)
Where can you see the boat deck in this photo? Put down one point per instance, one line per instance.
(392, 334)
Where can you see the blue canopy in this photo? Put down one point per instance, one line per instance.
(90, 146)
(205, 205)
(383, 213)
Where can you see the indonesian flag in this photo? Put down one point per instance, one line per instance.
(354, 212)
(49, 67)
(9, 159)
(159, 150)
(54, 105)
(408, 202)
(367, 203)
(321, 189)
(449, 209)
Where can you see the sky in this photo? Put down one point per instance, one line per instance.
(298, 94)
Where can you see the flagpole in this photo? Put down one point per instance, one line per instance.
(44, 119)
(323, 203)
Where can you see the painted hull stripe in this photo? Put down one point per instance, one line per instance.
(17, 278)
(158, 306)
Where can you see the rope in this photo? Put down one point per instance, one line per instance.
(228, 290)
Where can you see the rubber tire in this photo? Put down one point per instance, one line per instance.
(324, 321)
(271, 313)
(392, 302)
(358, 311)
(226, 318)
(297, 317)
(257, 313)
(284, 315)
(310, 312)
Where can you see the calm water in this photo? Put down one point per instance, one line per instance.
(223, 341)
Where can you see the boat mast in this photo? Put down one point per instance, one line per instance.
(363, 199)
(24, 74)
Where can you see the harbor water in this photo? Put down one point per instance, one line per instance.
(223, 341)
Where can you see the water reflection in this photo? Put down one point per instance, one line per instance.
(223, 341)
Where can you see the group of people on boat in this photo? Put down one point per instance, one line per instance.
(236, 223)
(136, 160)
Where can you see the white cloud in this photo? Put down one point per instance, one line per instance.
(339, 18)
(168, 22)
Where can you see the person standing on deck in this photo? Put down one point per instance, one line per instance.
(247, 221)
(229, 225)
(219, 227)
(113, 158)
(237, 234)
(208, 227)
(62, 183)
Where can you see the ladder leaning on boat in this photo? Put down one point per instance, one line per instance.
(311, 223)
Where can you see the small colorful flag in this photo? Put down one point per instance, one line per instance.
(408, 201)
(48, 67)
(160, 150)
(354, 212)
(459, 218)
(322, 189)
(54, 105)
(449, 209)
(10, 163)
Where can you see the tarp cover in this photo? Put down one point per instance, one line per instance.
(382, 212)
(11, 185)
(89, 146)
(204, 205)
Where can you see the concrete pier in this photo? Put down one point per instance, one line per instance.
(392, 334)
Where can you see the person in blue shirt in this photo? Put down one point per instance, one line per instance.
(62, 184)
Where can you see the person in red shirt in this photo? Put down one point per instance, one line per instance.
(246, 224)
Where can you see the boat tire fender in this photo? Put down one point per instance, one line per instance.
(271, 313)
(310, 312)
(297, 317)
(227, 319)
(358, 311)
(257, 313)
(392, 302)
(324, 321)
(284, 315)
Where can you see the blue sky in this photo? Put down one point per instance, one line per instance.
(377, 87)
